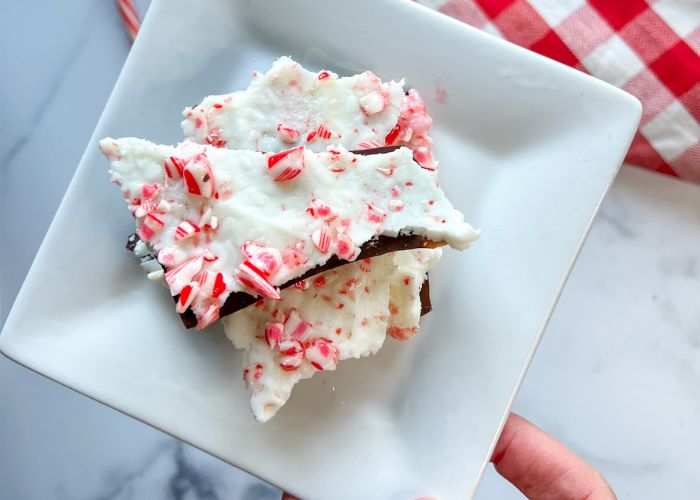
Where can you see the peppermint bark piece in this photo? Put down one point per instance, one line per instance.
(223, 221)
(340, 314)
(292, 106)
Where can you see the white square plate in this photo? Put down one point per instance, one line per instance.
(527, 150)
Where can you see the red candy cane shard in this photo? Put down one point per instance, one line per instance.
(174, 167)
(214, 138)
(149, 191)
(291, 354)
(198, 175)
(219, 285)
(151, 225)
(322, 132)
(318, 209)
(371, 144)
(211, 284)
(209, 315)
(267, 260)
(322, 240)
(187, 295)
(286, 165)
(375, 214)
(181, 275)
(345, 247)
(295, 327)
(288, 134)
(322, 354)
(185, 230)
(323, 75)
(273, 334)
(254, 279)
(392, 136)
(208, 256)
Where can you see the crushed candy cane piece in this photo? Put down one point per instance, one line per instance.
(254, 279)
(423, 156)
(151, 225)
(345, 247)
(322, 240)
(185, 230)
(375, 214)
(166, 256)
(214, 138)
(291, 354)
(322, 132)
(319, 209)
(286, 165)
(198, 176)
(187, 295)
(179, 276)
(210, 314)
(288, 134)
(392, 136)
(174, 167)
(273, 334)
(205, 217)
(295, 327)
(150, 190)
(219, 286)
(371, 144)
(208, 256)
(268, 260)
(211, 284)
(322, 354)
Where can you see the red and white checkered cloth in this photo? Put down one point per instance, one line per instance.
(649, 48)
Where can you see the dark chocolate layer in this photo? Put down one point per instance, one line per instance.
(425, 305)
(375, 151)
(373, 248)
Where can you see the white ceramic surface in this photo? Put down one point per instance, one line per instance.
(527, 149)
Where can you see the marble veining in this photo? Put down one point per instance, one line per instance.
(54, 82)
(176, 471)
(617, 376)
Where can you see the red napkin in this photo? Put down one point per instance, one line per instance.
(649, 48)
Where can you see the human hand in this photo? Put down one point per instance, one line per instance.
(541, 467)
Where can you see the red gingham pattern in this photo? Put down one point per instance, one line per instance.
(650, 48)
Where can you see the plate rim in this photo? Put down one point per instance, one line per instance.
(621, 96)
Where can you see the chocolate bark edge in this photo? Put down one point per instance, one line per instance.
(425, 305)
(375, 151)
(373, 248)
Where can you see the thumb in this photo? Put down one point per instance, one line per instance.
(543, 468)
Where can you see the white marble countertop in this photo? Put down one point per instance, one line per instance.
(617, 376)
